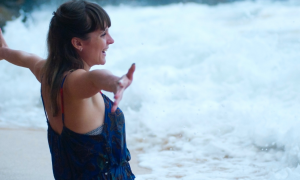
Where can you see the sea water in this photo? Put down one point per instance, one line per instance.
(215, 94)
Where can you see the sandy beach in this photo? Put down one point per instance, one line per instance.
(24, 154)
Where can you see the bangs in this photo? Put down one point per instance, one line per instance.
(97, 18)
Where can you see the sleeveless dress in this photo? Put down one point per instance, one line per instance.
(91, 157)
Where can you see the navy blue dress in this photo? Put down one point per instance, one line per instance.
(96, 157)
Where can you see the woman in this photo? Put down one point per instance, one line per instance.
(86, 130)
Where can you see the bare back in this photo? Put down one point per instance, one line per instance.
(81, 115)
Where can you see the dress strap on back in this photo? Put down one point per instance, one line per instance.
(44, 107)
(43, 101)
(62, 97)
(62, 100)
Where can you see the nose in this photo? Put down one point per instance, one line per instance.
(110, 40)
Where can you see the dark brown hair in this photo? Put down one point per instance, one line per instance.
(71, 19)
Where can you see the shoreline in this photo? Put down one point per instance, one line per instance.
(24, 154)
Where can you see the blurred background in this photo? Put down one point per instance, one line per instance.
(215, 93)
(11, 9)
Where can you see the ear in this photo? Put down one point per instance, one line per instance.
(77, 43)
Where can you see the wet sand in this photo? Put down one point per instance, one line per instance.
(25, 155)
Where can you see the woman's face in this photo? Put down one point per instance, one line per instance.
(94, 49)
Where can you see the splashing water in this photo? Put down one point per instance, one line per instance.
(215, 94)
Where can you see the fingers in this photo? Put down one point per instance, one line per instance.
(131, 71)
(116, 103)
(118, 98)
(122, 86)
(114, 107)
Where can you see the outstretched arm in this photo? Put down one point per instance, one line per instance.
(83, 84)
(115, 84)
(20, 58)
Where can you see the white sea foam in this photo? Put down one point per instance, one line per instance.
(215, 93)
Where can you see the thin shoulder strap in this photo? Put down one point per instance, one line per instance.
(62, 97)
(44, 105)
(62, 100)
(43, 101)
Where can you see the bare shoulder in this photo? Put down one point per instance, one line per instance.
(77, 72)
(76, 76)
(37, 68)
(79, 85)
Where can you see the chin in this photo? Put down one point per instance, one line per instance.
(102, 63)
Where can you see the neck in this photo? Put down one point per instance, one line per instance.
(86, 66)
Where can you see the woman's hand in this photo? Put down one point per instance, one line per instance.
(122, 84)
(2, 45)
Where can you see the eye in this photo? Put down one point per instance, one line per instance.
(102, 35)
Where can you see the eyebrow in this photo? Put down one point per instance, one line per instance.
(104, 30)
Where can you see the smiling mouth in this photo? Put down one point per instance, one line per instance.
(104, 51)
